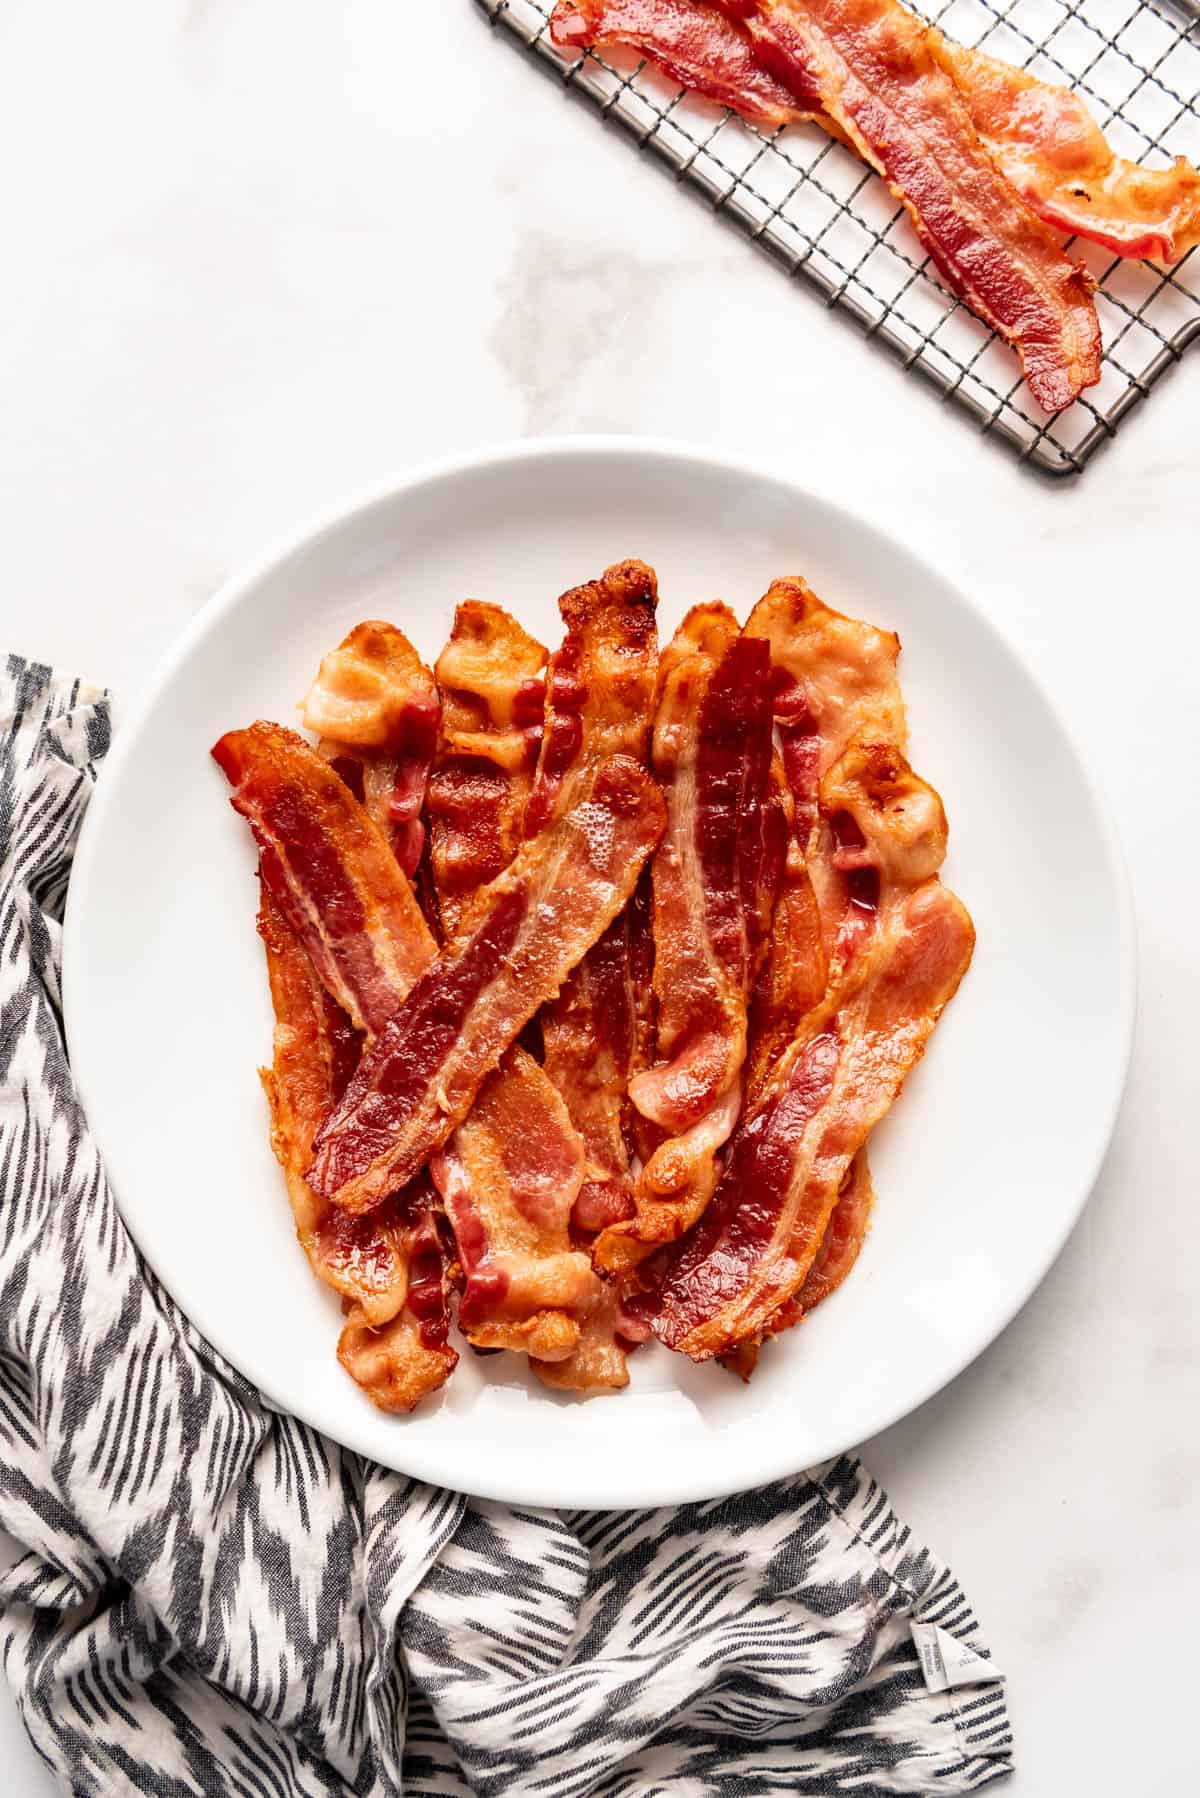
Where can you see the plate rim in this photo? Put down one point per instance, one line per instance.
(403, 483)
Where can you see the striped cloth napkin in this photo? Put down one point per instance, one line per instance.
(213, 1599)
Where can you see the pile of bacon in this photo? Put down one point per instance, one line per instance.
(991, 164)
(591, 974)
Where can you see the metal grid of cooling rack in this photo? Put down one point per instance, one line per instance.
(812, 206)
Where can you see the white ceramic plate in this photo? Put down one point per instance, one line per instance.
(981, 1170)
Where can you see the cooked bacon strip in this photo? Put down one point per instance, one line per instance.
(897, 945)
(693, 43)
(756, 1243)
(370, 1260)
(409, 1356)
(492, 684)
(712, 749)
(722, 853)
(866, 67)
(341, 842)
(600, 685)
(844, 1236)
(1051, 150)
(511, 1171)
(715, 880)
(839, 1248)
(795, 970)
(375, 708)
(508, 1177)
(316, 1049)
(835, 679)
(1042, 138)
(592, 1046)
(835, 683)
(527, 930)
(332, 874)
(599, 702)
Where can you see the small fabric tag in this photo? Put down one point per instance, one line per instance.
(946, 1662)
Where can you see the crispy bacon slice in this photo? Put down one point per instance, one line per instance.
(410, 1355)
(593, 1035)
(599, 702)
(1051, 150)
(329, 869)
(713, 874)
(795, 969)
(501, 1170)
(835, 679)
(373, 1262)
(600, 685)
(756, 1243)
(867, 68)
(526, 931)
(508, 1177)
(839, 1248)
(491, 677)
(1042, 138)
(694, 43)
(375, 708)
(844, 1236)
(511, 1171)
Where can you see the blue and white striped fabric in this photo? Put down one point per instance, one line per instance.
(213, 1599)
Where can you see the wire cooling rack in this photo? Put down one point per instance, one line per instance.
(812, 205)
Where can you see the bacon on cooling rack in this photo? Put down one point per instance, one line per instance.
(714, 878)
(867, 69)
(381, 1264)
(329, 869)
(491, 679)
(1042, 137)
(1052, 151)
(375, 709)
(599, 702)
(694, 43)
(524, 934)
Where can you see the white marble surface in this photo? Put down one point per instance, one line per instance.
(260, 255)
